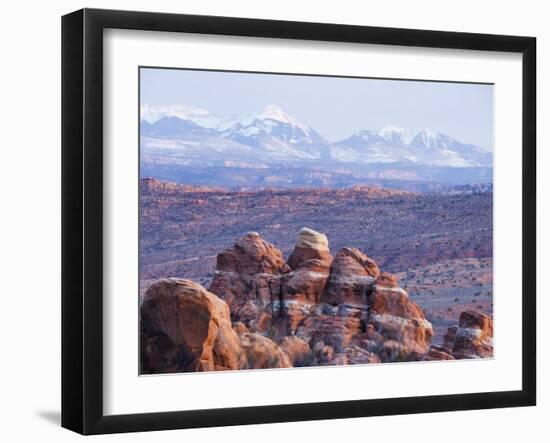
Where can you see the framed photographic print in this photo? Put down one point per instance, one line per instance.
(269, 221)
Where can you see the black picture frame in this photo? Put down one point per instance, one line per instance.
(82, 215)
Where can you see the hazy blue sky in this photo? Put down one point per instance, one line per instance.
(335, 107)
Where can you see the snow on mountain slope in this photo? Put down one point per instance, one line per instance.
(275, 132)
(275, 137)
(395, 135)
(275, 113)
(153, 113)
(174, 127)
(395, 145)
(451, 149)
(274, 121)
(426, 139)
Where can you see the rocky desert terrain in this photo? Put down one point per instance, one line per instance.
(237, 279)
(183, 227)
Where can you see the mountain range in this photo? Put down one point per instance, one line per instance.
(190, 136)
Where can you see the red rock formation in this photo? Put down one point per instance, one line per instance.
(187, 328)
(320, 311)
(240, 327)
(393, 301)
(302, 287)
(352, 274)
(263, 353)
(398, 324)
(251, 255)
(385, 279)
(336, 331)
(248, 278)
(438, 353)
(298, 350)
(310, 262)
(449, 338)
(356, 355)
(311, 245)
(353, 306)
(152, 185)
(474, 336)
(325, 355)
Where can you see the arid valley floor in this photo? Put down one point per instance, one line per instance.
(438, 246)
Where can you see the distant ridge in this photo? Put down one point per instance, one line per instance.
(151, 185)
(273, 137)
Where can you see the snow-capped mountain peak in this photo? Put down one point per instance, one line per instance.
(275, 112)
(395, 134)
(153, 113)
(275, 136)
(396, 145)
(367, 135)
(275, 130)
(426, 138)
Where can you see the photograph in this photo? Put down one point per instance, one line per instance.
(293, 220)
(271, 222)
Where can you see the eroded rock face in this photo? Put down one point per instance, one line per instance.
(333, 329)
(474, 336)
(302, 287)
(248, 278)
(263, 353)
(311, 245)
(387, 280)
(393, 301)
(298, 350)
(356, 355)
(438, 353)
(187, 328)
(251, 255)
(352, 274)
(312, 310)
(449, 338)
(396, 324)
(335, 306)
(240, 327)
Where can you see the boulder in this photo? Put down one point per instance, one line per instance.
(393, 300)
(248, 278)
(324, 354)
(352, 274)
(251, 255)
(438, 353)
(263, 353)
(298, 350)
(395, 323)
(240, 327)
(302, 287)
(186, 328)
(355, 355)
(310, 246)
(336, 331)
(474, 336)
